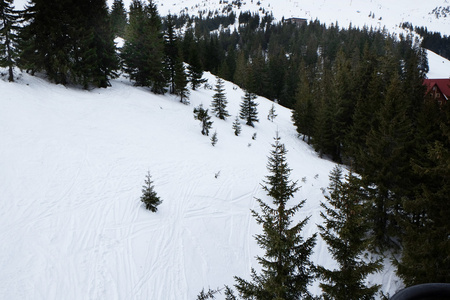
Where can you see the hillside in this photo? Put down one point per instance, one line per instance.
(72, 164)
(373, 13)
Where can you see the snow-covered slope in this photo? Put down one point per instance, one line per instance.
(439, 66)
(72, 164)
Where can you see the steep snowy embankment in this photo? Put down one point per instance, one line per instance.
(72, 164)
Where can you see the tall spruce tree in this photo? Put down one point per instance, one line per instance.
(71, 41)
(345, 231)
(144, 49)
(248, 111)
(426, 244)
(387, 165)
(303, 112)
(171, 52)
(195, 70)
(219, 102)
(118, 18)
(9, 28)
(286, 266)
(97, 60)
(180, 81)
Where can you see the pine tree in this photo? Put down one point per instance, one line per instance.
(195, 70)
(272, 115)
(345, 231)
(71, 41)
(47, 45)
(303, 112)
(387, 165)
(9, 27)
(171, 52)
(426, 245)
(96, 59)
(248, 110)
(201, 114)
(118, 18)
(149, 196)
(237, 126)
(143, 49)
(180, 82)
(286, 267)
(219, 103)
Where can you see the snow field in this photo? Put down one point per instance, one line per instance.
(72, 165)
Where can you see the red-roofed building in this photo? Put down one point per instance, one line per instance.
(438, 89)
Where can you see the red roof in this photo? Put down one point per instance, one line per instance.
(442, 84)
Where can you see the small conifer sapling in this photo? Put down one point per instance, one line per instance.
(237, 126)
(214, 138)
(149, 196)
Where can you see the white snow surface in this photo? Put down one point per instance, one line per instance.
(72, 165)
(439, 66)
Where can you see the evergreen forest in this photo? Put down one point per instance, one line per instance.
(356, 95)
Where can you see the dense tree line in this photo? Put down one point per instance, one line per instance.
(357, 97)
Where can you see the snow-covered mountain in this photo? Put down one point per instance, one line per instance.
(433, 14)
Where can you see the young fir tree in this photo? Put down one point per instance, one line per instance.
(237, 126)
(219, 102)
(149, 196)
(214, 139)
(118, 18)
(248, 110)
(201, 114)
(345, 231)
(286, 266)
(272, 114)
(143, 49)
(9, 27)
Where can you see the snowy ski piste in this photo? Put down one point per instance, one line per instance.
(72, 166)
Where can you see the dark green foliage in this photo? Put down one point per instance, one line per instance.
(345, 231)
(9, 27)
(237, 126)
(71, 41)
(387, 164)
(286, 268)
(303, 113)
(201, 114)
(180, 82)
(219, 102)
(149, 196)
(144, 49)
(248, 111)
(118, 18)
(426, 253)
(175, 70)
(195, 70)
